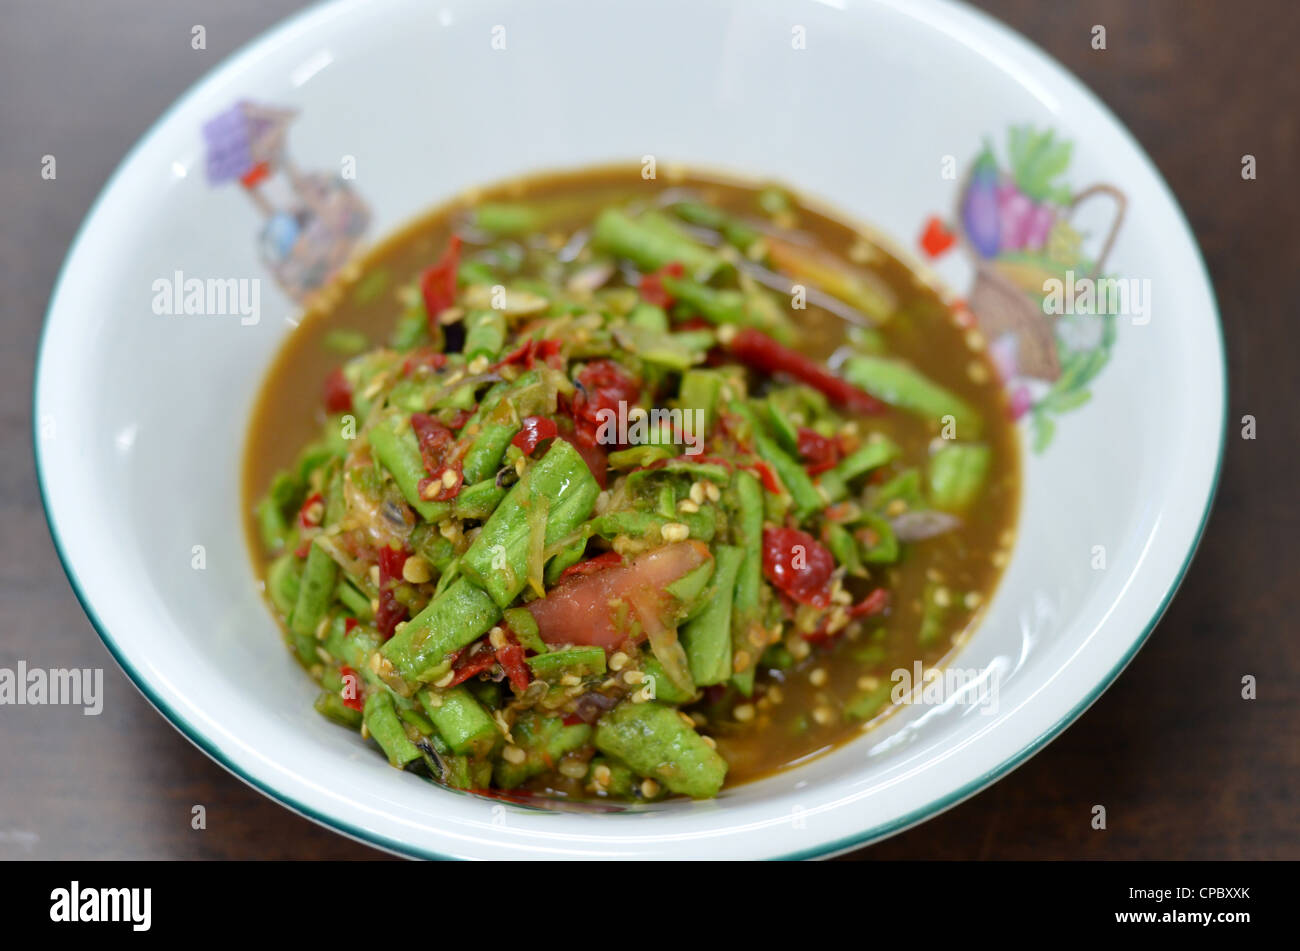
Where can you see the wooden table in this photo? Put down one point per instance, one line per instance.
(1185, 767)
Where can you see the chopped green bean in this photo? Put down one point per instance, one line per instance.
(652, 739)
(384, 726)
(498, 558)
(707, 639)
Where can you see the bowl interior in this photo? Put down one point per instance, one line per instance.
(141, 416)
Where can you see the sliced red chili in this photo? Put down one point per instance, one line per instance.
(761, 352)
(433, 437)
(534, 430)
(471, 663)
(437, 450)
(548, 351)
(511, 658)
(423, 357)
(873, 603)
(350, 625)
(799, 565)
(602, 386)
(391, 611)
(767, 476)
(591, 565)
(438, 283)
(337, 392)
(652, 285)
(522, 355)
(530, 351)
(818, 451)
(312, 512)
(350, 679)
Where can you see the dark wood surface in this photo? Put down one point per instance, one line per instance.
(1184, 766)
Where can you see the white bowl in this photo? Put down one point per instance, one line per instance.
(141, 418)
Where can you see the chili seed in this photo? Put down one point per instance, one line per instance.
(416, 570)
(675, 532)
(573, 768)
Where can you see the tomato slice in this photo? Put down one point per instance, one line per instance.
(617, 603)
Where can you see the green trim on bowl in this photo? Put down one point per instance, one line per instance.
(866, 837)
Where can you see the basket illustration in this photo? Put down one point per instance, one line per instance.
(1007, 296)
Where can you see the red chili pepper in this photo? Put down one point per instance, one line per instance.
(767, 476)
(652, 284)
(763, 353)
(839, 511)
(445, 491)
(350, 679)
(873, 603)
(438, 283)
(337, 392)
(535, 430)
(523, 354)
(820, 452)
(511, 658)
(548, 351)
(799, 565)
(391, 611)
(602, 386)
(350, 625)
(529, 352)
(936, 239)
(471, 663)
(312, 512)
(693, 323)
(572, 719)
(592, 565)
(423, 357)
(437, 450)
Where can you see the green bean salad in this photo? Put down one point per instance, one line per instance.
(585, 510)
